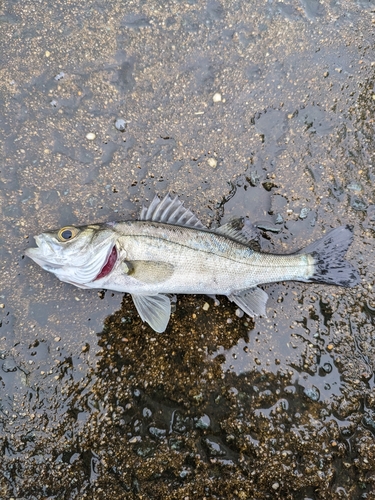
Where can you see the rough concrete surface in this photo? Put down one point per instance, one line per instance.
(264, 109)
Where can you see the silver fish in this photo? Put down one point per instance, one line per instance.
(169, 251)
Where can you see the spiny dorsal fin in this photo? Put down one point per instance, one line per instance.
(170, 211)
(241, 230)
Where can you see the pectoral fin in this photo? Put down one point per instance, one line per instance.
(252, 301)
(154, 309)
(148, 271)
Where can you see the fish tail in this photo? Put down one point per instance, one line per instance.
(330, 265)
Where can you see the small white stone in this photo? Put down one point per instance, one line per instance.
(216, 97)
(134, 439)
(212, 162)
(239, 313)
(206, 306)
(90, 136)
(275, 486)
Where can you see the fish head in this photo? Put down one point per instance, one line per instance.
(77, 255)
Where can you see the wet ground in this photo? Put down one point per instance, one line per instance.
(240, 108)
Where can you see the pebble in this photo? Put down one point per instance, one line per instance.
(304, 213)
(147, 413)
(203, 422)
(354, 186)
(358, 204)
(267, 226)
(2, 306)
(9, 366)
(120, 124)
(327, 367)
(135, 439)
(156, 432)
(279, 219)
(216, 97)
(312, 393)
(212, 162)
(205, 307)
(90, 136)
(275, 486)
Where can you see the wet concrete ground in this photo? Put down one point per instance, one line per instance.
(93, 404)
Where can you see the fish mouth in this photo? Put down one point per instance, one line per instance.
(37, 254)
(109, 264)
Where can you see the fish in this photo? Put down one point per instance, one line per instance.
(168, 251)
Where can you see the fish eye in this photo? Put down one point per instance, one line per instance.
(67, 233)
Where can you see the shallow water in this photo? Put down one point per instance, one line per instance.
(93, 404)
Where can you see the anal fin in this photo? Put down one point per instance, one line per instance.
(252, 301)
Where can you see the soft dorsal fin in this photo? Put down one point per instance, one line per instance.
(241, 230)
(170, 211)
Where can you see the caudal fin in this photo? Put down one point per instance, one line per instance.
(330, 264)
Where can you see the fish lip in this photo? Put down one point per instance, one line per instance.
(31, 250)
(37, 254)
(109, 264)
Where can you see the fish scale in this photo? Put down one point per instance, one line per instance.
(198, 256)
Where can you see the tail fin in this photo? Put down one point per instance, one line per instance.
(328, 253)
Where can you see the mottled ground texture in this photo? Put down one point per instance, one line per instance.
(263, 109)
